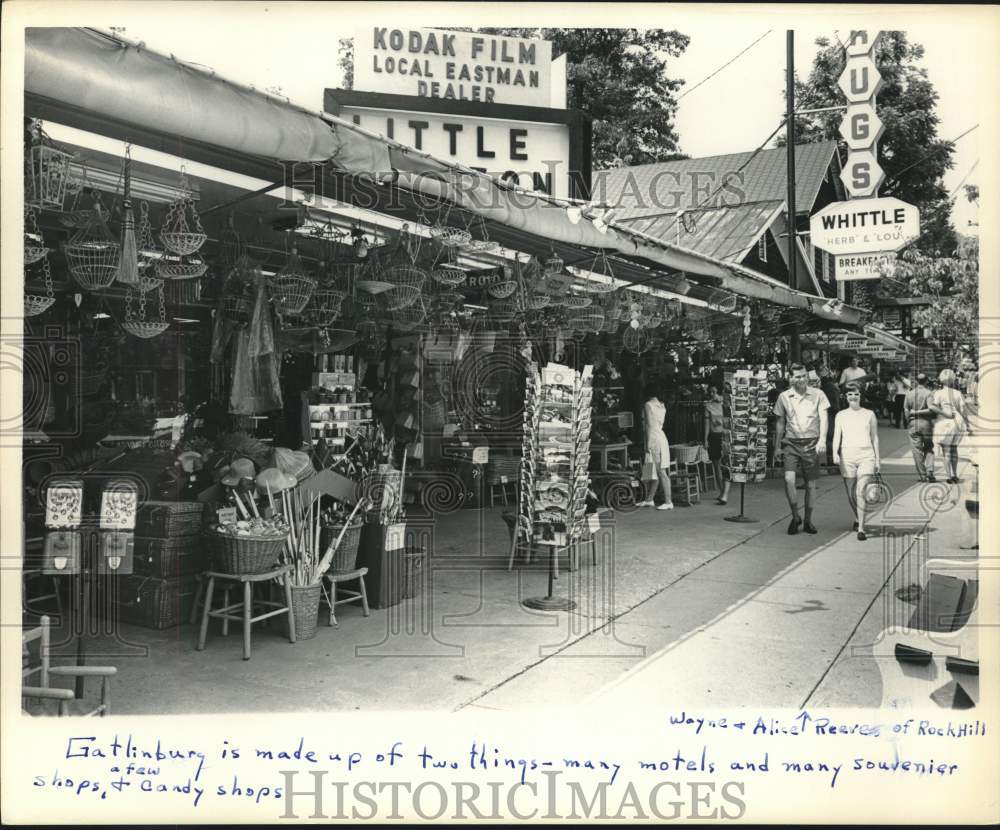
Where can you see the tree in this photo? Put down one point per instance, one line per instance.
(618, 77)
(951, 286)
(910, 152)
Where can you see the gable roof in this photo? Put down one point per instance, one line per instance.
(673, 186)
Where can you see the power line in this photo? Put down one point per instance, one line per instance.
(954, 193)
(940, 148)
(727, 63)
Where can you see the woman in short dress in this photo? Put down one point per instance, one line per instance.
(951, 423)
(656, 462)
(713, 440)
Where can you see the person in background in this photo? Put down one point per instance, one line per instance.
(713, 440)
(973, 388)
(951, 424)
(832, 392)
(898, 389)
(800, 431)
(920, 423)
(656, 462)
(853, 372)
(855, 448)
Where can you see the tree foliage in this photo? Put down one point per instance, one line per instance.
(617, 76)
(910, 152)
(951, 284)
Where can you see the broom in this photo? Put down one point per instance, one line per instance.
(128, 267)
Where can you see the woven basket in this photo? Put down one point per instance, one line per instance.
(687, 453)
(244, 554)
(33, 252)
(502, 290)
(146, 329)
(305, 610)
(346, 557)
(575, 301)
(591, 321)
(536, 302)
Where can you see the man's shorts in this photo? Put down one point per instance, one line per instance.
(800, 454)
(922, 438)
(857, 462)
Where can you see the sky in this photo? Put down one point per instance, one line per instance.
(292, 47)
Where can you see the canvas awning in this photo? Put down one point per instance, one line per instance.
(102, 73)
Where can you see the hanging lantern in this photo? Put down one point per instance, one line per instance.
(93, 254)
(291, 287)
(47, 173)
(177, 234)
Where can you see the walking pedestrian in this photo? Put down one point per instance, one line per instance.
(951, 424)
(899, 389)
(852, 372)
(713, 441)
(832, 392)
(800, 432)
(855, 448)
(656, 462)
(920, 423)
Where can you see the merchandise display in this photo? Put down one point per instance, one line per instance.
(745, 412)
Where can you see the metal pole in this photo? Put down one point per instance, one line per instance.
(790, 147)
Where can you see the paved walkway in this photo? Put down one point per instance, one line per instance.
(688, 605)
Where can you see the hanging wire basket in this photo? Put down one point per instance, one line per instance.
(324, 306)
(145, 329)
(406, 283)
(451, 237)
(34, 243)
(35, 304)
(449, 275)
(722, 300)
(291, 287)
(408, 318)
(592, 320)
(503, 289)
(47, 173)
(601, 266)
(93, 254)
(180, 269)
(574, 301)
(177, 235)
(538, 301)
(635, 340)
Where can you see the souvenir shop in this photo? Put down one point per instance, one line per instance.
(246, 399)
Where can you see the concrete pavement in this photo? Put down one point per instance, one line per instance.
(688, 604)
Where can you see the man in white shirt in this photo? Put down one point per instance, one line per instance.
(852, 372)
(799, 435)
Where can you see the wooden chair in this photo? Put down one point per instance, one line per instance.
(685, 487)
(329, 594)
(44, 672)
(934, 658)
(243, 611)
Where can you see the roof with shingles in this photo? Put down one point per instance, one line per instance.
(671, 186)
(724, 233)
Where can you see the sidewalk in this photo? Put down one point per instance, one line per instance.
(683, 606)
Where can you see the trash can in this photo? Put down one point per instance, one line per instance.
(413, 571)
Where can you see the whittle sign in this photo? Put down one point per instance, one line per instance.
(864, 226)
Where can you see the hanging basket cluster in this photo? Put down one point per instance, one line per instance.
(93, 254)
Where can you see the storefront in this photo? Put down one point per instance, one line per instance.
(281, 344)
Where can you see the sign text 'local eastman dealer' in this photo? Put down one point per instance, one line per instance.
(457, 65)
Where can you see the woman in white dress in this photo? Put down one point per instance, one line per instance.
(656, 462)
(951, 423)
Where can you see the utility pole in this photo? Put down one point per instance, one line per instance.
(796, 350)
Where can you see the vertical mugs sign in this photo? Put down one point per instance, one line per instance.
(463, 66)
(861, 127)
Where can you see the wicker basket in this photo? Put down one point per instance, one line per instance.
(245, 554)
(687, 453)
(305, 610)
(576, 301)
(502, 290)
(35, 304)
(451, 237)
(346, 557)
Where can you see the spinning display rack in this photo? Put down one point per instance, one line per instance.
(744, 440)
(554, 467)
